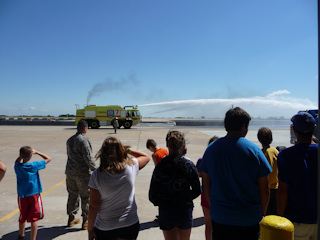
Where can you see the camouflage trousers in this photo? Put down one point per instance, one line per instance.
(77, 187)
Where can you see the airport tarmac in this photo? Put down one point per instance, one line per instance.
(51, 140)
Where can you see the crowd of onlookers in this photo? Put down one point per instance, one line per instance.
(241, 183)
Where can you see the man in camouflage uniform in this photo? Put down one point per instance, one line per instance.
(78, 170)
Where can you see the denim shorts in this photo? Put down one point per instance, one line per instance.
(130, 232)
(179, 217)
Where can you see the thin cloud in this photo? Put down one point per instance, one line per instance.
(36, 110)
(278, 93)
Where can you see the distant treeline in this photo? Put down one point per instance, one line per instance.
(67, 115)
(39, 116)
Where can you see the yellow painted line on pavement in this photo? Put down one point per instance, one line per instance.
(53, 187)
(10, 215)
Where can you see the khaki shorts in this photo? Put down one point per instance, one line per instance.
(304, 231)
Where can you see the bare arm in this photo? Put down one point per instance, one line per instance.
(264, 193)
(282, 196)
(18, 159)
(154, 161)
(206, 186)
(142, 157)
(3, 170)
(44, 156)
(94, 206)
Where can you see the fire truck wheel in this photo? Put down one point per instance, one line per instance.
(127, 124)
(95, 124)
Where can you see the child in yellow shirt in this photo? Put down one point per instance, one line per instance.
(265, 138)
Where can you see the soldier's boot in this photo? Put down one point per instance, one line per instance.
(72, 221)
(84, 223)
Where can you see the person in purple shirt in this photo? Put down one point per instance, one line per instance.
(298, 174)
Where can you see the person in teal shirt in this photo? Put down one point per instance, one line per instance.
(234, 175)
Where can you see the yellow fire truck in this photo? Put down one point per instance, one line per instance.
(97, 116)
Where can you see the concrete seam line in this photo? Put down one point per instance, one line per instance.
(10, 215)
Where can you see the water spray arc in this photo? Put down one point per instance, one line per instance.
(264, 107)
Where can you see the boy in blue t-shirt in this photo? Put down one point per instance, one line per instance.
(29, 189)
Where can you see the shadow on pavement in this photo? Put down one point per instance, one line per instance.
(44, 233)
(197, 222)
(148, 225)
(53, 232)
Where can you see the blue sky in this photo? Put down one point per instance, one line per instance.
(172, 58)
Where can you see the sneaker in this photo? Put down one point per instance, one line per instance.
(84, 223)
(20, 238)
(72, 221)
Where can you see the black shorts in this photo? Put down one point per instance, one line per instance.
(171, 218)
(130, 232)
(227, 232)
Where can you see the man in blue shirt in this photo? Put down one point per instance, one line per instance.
(297, 191)
(234, 174)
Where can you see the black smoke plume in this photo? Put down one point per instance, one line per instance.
(111, 85)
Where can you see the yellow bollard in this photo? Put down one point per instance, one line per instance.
(276, 228)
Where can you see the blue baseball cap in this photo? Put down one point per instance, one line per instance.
(303, 122)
